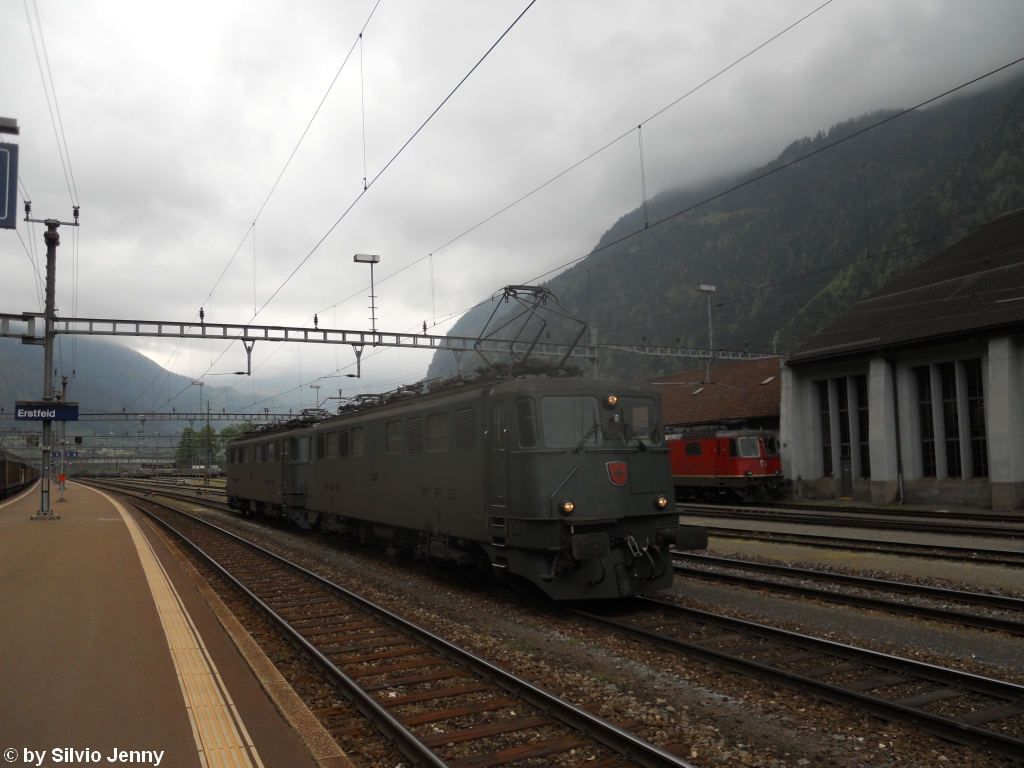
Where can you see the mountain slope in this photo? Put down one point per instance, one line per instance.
(109, 378)
(787, 252)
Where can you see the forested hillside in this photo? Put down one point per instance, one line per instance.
(789, 251)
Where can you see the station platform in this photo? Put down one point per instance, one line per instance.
(109, 647)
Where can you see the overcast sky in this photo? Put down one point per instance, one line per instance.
(178, 119)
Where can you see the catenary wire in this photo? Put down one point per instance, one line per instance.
(382, 170)
(294, 150)
(831, 268)
(782, 167)
(775, 170)
(815, 182)
(396, 155)
(580, 162)
(46, 93)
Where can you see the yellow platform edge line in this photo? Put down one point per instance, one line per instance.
(216, 724)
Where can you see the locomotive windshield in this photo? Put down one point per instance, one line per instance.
(570, 421)
(642, 420)
(744, 447)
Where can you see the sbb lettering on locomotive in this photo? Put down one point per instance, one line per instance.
(563, 483)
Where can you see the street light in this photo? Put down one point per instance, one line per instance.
(371, 259)
(199, 384)
(708, 289)
(316, 398)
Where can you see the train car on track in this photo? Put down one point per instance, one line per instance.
(15, 474)
(560, 482)
(719, 464)
(524, 470)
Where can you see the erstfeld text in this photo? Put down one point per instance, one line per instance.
(72, 755)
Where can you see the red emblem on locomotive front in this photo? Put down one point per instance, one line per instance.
(617, 472)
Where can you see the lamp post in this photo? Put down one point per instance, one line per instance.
(708, 289)
(316, 396)
(200, 385)
(371, 259)
(52, 240)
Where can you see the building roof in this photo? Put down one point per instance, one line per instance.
(745, 390)
(976, 284)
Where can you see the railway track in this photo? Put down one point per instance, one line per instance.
(977, 711)
(935, 551)
(801, 507)
(876, 522)
(969, 709)
(211, 500)
(439, 704)
(724, 570)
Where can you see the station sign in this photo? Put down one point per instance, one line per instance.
(67, 454)
(41, 410)
(8, 186)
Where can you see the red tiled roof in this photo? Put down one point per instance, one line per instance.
(746, 390)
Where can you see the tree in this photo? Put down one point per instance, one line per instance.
(191, 450)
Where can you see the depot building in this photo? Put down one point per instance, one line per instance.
(917, 390)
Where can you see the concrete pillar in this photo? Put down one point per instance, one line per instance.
(796, 430)
(938, 424)
(833, 412)
(1004, 416)
(853, 415)
(964, 419)
(882, 431)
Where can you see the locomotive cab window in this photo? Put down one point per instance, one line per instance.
(393, 437)
(304, 450)
(526, 421)
(277, 450)
(320, 446)
(343, 443)
(358, 442)
(693, 449)
(744, 447)
(644, 423)
(771, 447)
(437, 432)
(332, 445)
(641, 416)
(570, 420)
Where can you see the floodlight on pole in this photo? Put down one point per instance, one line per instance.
(708, 289)
(371, 259)
(200, 385)
(316, 399)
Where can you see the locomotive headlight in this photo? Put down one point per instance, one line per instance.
(610, 401)
(567, 507)
(661, 502)
(749, 472)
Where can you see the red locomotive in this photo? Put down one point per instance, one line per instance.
(719, 464)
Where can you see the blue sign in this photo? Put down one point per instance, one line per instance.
(71, 454)
(8, 186)
(54, 454)
(46, 411)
